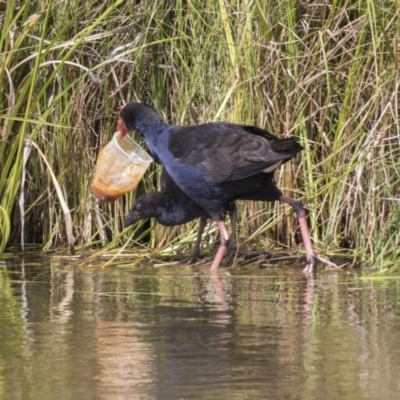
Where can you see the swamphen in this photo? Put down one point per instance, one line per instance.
(171, 206)
(217, 163)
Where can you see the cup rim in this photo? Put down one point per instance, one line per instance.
(141, 152)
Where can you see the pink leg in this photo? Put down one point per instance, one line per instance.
(305, 235)
(222, 248)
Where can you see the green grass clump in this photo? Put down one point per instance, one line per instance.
(326, 72)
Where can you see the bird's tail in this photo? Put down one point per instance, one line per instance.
(287, 145)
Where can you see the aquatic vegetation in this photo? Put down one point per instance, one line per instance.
(327, 73)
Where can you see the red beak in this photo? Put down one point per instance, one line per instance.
(121, 127)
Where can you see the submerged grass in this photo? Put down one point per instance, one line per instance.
(326, 72)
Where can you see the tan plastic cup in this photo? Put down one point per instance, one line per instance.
(119, 168)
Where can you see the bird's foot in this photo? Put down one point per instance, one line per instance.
(194, 259)
(311, 261)
(250, 254)
(230, 254)
(247, 255)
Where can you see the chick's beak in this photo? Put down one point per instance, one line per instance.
(131, 218)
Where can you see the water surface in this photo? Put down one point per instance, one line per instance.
(175, 332)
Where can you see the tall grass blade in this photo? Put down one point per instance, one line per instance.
(325, 72)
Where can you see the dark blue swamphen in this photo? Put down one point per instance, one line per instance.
(217, 163)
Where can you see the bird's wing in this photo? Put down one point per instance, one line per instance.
(225, 151)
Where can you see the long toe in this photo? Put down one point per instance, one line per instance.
(326, 262)
(309, 268)
(188, 260)
(195, 259)
(230, 254)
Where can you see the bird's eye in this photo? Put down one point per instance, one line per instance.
(138, 206)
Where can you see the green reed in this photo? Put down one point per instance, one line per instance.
(327, 73)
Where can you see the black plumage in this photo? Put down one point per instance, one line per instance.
(171, 207)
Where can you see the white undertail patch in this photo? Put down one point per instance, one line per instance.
(272, 167)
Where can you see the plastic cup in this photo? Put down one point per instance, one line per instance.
(119, 168)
